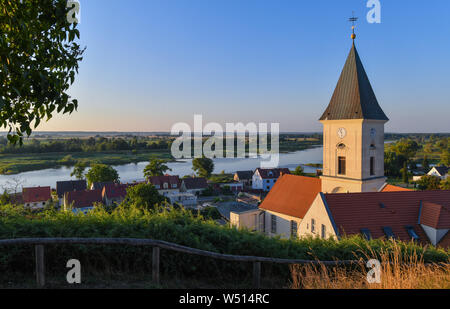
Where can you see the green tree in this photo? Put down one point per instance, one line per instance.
(38, 62)
(299, 171)
(78, 170)
(426, 163)
(143, 196)
(156, 167)
(404, 170)
(445, 157)
(393, 164)
(5, 198)
(445, 184)
(203, 166)
(101, 173)
(406, 148)
(429, 182)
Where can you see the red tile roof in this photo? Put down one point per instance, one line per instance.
(391, 188)
(160, 180)
(269, 173)
(445, 241)
(192, 183)
(292, 195)
(37, 194)
(352, 212)
(435, 215)
(82, 199)
(115, 190)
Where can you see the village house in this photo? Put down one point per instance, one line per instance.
(114, 194)
(82, 200)
(166, 184)
(264, 179)
(37, 197)
(352, 196)
(184, 199)
(244, 177)
(193, 185)
(100, 185)
(439, 171)
(68, 186)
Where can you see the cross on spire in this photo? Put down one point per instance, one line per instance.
(353, 19)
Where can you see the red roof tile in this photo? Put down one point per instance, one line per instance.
(435, 215)
(115, 190)
(272, 172)
(82, 199)
(292, 195)
(352, 212)
(170, 180)
(37, 194)
(445, 241)
(391, 188)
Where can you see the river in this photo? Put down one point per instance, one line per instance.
(134, 172)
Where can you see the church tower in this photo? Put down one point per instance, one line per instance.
(353, 133)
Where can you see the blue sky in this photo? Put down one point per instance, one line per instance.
(152, 63)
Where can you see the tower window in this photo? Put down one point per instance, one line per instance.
(341, 165)
(372, 166)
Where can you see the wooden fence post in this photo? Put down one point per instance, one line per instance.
(256, 275)
(40, 266)
(155, 265)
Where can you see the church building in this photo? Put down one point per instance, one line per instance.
(352, 196)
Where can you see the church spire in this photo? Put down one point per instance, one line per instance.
(353, 97)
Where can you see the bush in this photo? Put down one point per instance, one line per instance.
(179, 226)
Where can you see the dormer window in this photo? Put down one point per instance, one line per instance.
(165, 185)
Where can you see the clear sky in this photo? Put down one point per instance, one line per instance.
(152, 63)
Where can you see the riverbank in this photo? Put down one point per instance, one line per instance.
(13, 164)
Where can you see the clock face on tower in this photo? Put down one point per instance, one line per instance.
(341, 132)
(373, 133)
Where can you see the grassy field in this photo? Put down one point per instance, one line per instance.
(18, 163)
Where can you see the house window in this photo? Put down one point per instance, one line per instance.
(341, 165)
(294, 228)
(174, 185)
(388, 231)
(372, 166)
(313, 226)
(324, 231)
(412, 233)
(166, 185)
(273, 224)
(366, 233)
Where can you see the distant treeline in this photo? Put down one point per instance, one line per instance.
(91, 144)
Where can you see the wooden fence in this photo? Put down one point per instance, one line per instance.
(39, 244)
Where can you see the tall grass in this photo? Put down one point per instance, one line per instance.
(397, 271)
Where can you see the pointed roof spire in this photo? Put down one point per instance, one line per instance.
(353, 97)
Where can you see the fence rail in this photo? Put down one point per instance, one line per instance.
(157, 245)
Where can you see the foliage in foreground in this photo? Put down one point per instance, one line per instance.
(174, 225)
(397, 271)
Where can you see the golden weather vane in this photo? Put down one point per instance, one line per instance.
(353, 19)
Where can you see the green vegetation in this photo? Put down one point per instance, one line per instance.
(203, 166)
(175, 225)
(156, 168)
(101, 173)
(299, 171)
(39, 59)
